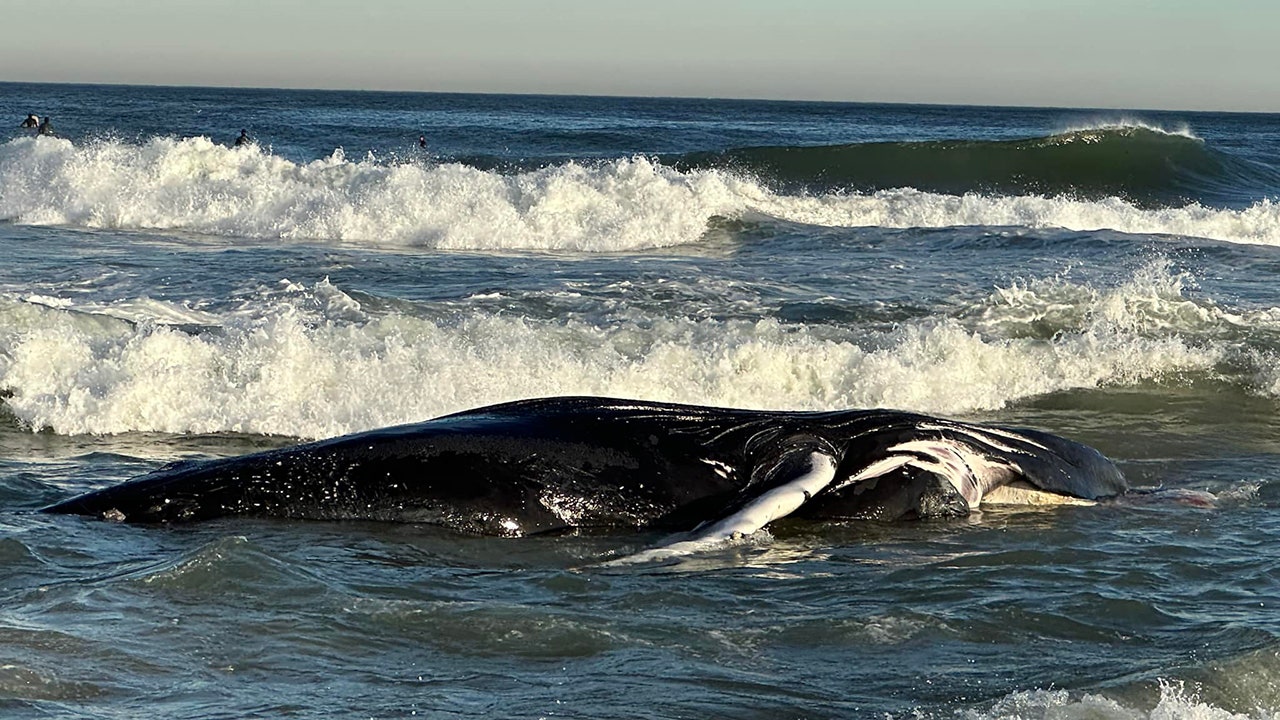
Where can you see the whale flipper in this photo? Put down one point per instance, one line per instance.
(812, 475)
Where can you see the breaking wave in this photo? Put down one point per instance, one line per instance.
(313, 363)
(1145, 166)
(196, 186)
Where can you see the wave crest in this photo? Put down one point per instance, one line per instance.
(1148, 167)
(628, 204)
(198, 186)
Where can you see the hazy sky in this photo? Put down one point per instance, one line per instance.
(1181, 54)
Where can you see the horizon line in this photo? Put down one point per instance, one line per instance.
(915, 103)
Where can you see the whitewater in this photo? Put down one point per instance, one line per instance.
(278, 369)
(632, 203)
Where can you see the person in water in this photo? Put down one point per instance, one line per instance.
(243, 139)
(422, 141)
(46, 126)
(32, 121)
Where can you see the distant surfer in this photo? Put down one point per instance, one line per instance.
(32, 121)
(46, 126)
(422, 141)
(244, 138)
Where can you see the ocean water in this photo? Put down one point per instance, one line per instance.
(1109, 276)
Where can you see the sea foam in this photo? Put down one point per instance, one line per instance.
(1176, 702)
(310, 364)
(196, 186)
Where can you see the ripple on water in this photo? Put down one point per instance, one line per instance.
(29, 682)
(486, 628)
(231, 565)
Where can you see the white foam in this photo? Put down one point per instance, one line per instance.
(1127, 123)
(194, 185)
(1176, 702)
(309, 362)
(1154, 301)
(905, 208)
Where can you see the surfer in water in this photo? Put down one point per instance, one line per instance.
(46, 126)
(422, 142)
(244, 138)
(32, 122)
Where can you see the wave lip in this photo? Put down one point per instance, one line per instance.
(1146, 166)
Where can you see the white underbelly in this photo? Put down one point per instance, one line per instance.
(1020, 493)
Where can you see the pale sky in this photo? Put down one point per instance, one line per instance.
(1140, 54)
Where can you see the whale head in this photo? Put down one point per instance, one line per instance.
(939, 468)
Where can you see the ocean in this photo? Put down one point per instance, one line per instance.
(1105, 275)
